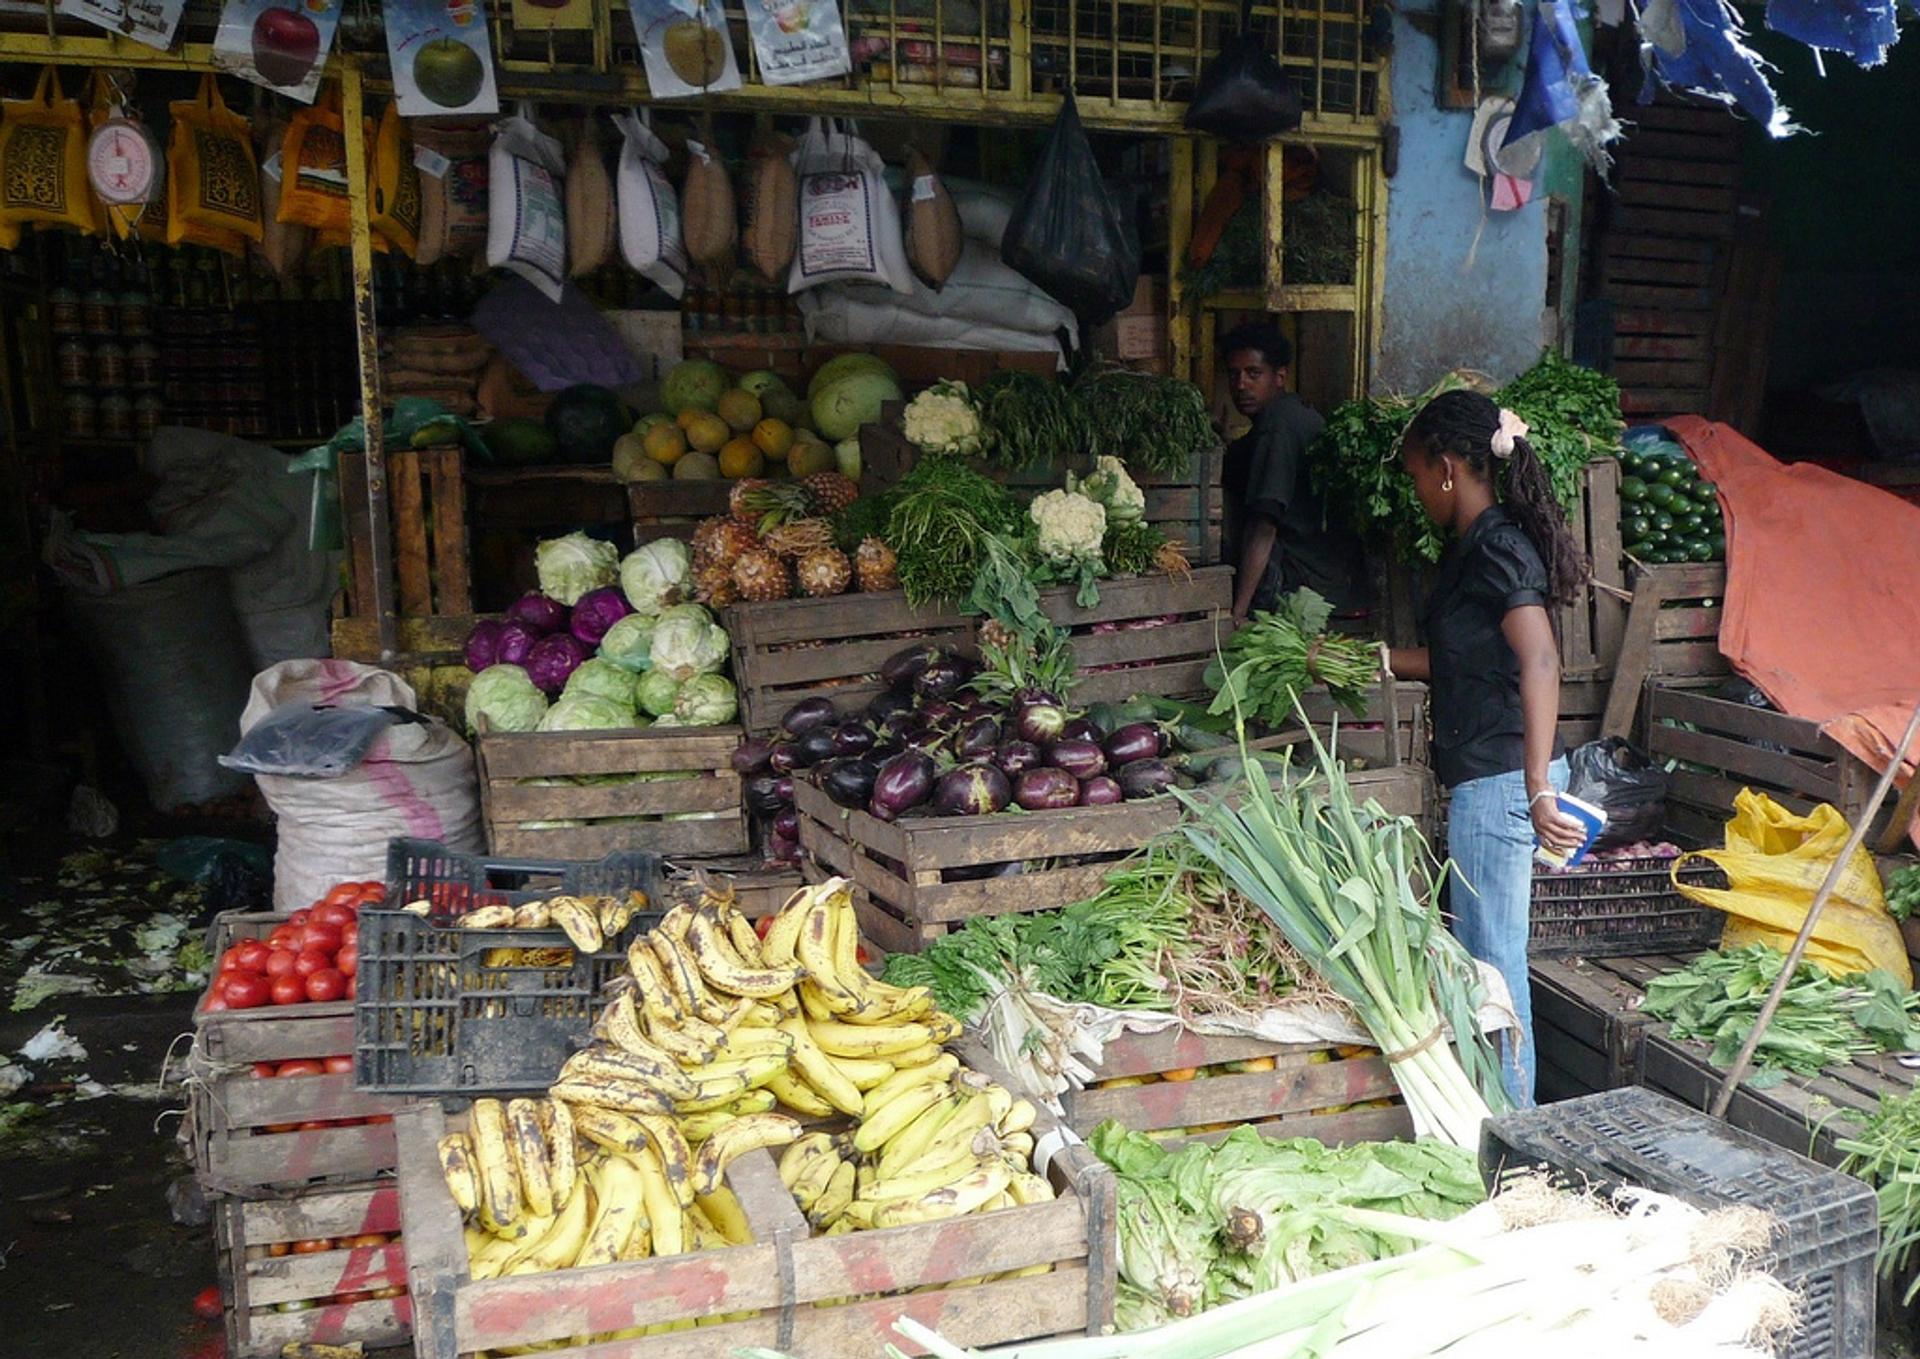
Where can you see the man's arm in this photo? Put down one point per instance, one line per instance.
(1256, 549)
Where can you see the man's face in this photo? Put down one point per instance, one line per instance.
(1252, 382)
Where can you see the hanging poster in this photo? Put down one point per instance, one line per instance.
(532, 16)
(798, 40)
(442, 64)
(687, 47)
(282, 44)
(145, 21)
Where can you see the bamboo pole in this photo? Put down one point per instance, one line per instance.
(367, 336)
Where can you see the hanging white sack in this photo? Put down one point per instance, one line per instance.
(416, 780)
(649, 209)
(526, 204)
(849, 222)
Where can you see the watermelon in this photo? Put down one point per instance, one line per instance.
(585, 420)
(519, 442)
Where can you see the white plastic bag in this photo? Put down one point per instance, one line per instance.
(981, 292)
(415, 780)
(849, 222)
(649, 209)
(526, 204)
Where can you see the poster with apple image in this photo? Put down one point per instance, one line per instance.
(282, 44)
(442, 64)
(798, 40)
(686, 46)
(145, 21)
(532, 16)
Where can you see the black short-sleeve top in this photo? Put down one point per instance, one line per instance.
(1491, 570)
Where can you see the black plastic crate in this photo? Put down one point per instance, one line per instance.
(1828, 1223)
(439, 1011)
(1619, 908)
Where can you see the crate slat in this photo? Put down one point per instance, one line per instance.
(255, 1282)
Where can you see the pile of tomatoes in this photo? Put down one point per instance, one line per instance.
(313, 956)
(312, 1066)
(367, 1240)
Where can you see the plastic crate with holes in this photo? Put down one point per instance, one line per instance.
(1826, 1225)
(1610, 908)
(446, 1010)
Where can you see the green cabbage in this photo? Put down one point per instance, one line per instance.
(850, 401)
(583, 712)
(655, 576)
(506, 698)
(655, 693)
(600, 678)
(569, 567)
(685, 645)
(629, 643)
(706, 701)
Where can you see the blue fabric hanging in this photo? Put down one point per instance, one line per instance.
(1560, 89)
(1862, 29)
(1696, 45)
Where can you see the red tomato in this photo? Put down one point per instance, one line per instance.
(317, 1125)
(283, 1128)
(353, 986)
(285, 937)
(339, 1066)
(320, 939)
(365, 1239)
(313, 1247)
(214, 1005)
(208, 1303)
(243, 991)
(263, 1070)
(254, 954)
(287, 989)
(278, 1249)
(762, 925)
(340, 917)
(348, 958)
(300, 917)
(326, 984)
(309, 961)
(304, 1066)
(230, 960)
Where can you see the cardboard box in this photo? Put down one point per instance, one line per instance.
(1139, 332)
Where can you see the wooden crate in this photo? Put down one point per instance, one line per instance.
(1587, 1025)
(1591, 627)
(1672, 632)
(509, 761)
(673, 509)
(758, 888)
(1169, 659)
(866, 1279)
(257, 1282)
(1725, 746)
(1398, 705)
(427, 505)
(1300, 1097)
(247, 1134)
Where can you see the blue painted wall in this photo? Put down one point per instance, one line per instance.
(1440, 314)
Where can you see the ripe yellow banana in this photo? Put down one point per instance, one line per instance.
(833, 1200)
(622, 1023)
(499, 1183)
(814, 1178)
(620, 1096)
(487, 1262)
(868, 1040)
(999, 1102)
(893, 1004)
(744, 1043)
(796, 1095)
(679, 962)
(703, 1235)
(923, 1177)
(763, 1015)
(920, 1056)
(486, 918)
(844, 936)
(745, 942)
(814, 949)
(616, 913)
(659, 1074)
(741, 1136)
(818, 1070)
(675, 967)
(616, 1190)
(724, 971)
(562, 1165)
(532, 916)
(673, 923)
(699, 1127)
(864, 1072)
(579, 921)
(1018, 1118)
(658, 1001)
(1019, 1146)
(794, 1159)
(530, 1156)
(677, 1041)
(1027, 1187)
(456, 1166)
(561, 1242)
(639, 1245)
(953, 1200)
(940, 1068)
(737, 1012)
(942, 1027)
(913, 1142)
(675, 1156)
(893, 1117)
(723, 1210)
(609, 1128)
(777, 948)
(974, 1115)
(666, 1219)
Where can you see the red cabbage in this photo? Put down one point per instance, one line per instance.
(538, 614)
(552, 660)
(483, 645)
(597, 611)
(516, 643)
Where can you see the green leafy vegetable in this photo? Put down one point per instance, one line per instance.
(1031, 421)
(943, 512)
(1903, 891)
(1265, 665)
(1886, 1154)
(1152, 424)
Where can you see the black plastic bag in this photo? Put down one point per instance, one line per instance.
(1066, 235)
(1243, 94)
(1618, 779)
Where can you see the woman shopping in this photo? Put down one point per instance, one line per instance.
(1494, 667)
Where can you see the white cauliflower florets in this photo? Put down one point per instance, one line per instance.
(943, 419)
(1071, 526)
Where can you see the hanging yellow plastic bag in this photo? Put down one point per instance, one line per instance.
(1775, 861)
(313, 166)
(395, 201)
(43, 160)
(213, 184)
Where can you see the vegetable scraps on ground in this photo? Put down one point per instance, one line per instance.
(1265, 665)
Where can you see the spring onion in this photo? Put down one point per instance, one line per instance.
(1886, 1154)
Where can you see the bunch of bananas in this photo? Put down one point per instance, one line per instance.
(709, 1035)
(591, 923)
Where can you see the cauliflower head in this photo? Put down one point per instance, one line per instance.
(1114, 489)
(1070, 525)
(943, 419)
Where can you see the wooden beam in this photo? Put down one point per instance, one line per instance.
(366, 332)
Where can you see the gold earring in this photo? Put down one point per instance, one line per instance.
(1447, 485)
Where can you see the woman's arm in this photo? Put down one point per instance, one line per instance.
(1529, 633)
(1411, 663)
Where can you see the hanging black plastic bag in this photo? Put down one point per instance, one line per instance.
(1066, 235)
(1243, 94)
(1618, 779)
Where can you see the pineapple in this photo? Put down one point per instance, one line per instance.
(761, 576)
(994, 633)
(765, 505)
(830, 492)
(877, 567)
(738, 497)
(799, 538)
(713, 586)
(824, 571)
(720, 541)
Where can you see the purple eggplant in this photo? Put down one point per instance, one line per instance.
(1040, 789)
(885, 746)
(853, 738)
(816, 747)
(972, 790)
(977, 739)
(1083, 729)
(753, 756)
(1145, 778)
(1100, 792)
(1017, 757)
(807, 714)
(939, 713)
(886, 705)
(783, 789)
(762, 793)
(786, 824)
(904, 782)
(1035, 694)
(943, 678)
(1040, 723)
(1140, 741)
(784, 757)
(904, 726)
(537, 614)
(903, 667)
(1082, 759)
(880, 812)
(782, 850)
(849, 782)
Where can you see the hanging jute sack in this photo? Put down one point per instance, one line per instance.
(395, 200)
(453, 190)
(933, 224)
(213, 182)
(43, 160)
(709, 217)
(773, 207)
(590, 219)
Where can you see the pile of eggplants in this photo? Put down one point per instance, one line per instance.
(930, 745)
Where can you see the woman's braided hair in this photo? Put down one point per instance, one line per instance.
(1461, 424)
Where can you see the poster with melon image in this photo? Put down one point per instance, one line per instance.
(442, 64)
(687, 47)
(282, 44)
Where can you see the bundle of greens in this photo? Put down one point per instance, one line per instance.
(1821, 1022)
(1903, 891)
(1572, 415)
(1265, 664)
(943, 515)
(1152, 424)
(1031, 421)
(1205, 1225)
(1886, 1154)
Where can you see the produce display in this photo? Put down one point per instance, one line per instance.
(1206, 1225)
(1669, 513)
(779, 540)
(1903, 891)
(1821, 1022)
(1885, 1152)
(321, 1244)
(710, 427)
(340, 1064)
(313, 957)
(719, 1042)
(1265, 664)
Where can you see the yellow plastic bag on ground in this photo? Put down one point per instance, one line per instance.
(1775, 861)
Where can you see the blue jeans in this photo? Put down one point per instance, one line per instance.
(1490, 840)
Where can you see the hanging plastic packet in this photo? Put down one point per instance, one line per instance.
(849, 222)
(1243, 95)
(1066, 235)
(649, 210)
(526, 209)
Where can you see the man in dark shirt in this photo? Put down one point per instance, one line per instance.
(1278, 537)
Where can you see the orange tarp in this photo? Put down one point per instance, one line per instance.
(1823, 592)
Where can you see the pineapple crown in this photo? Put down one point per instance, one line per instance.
(1041, 660)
